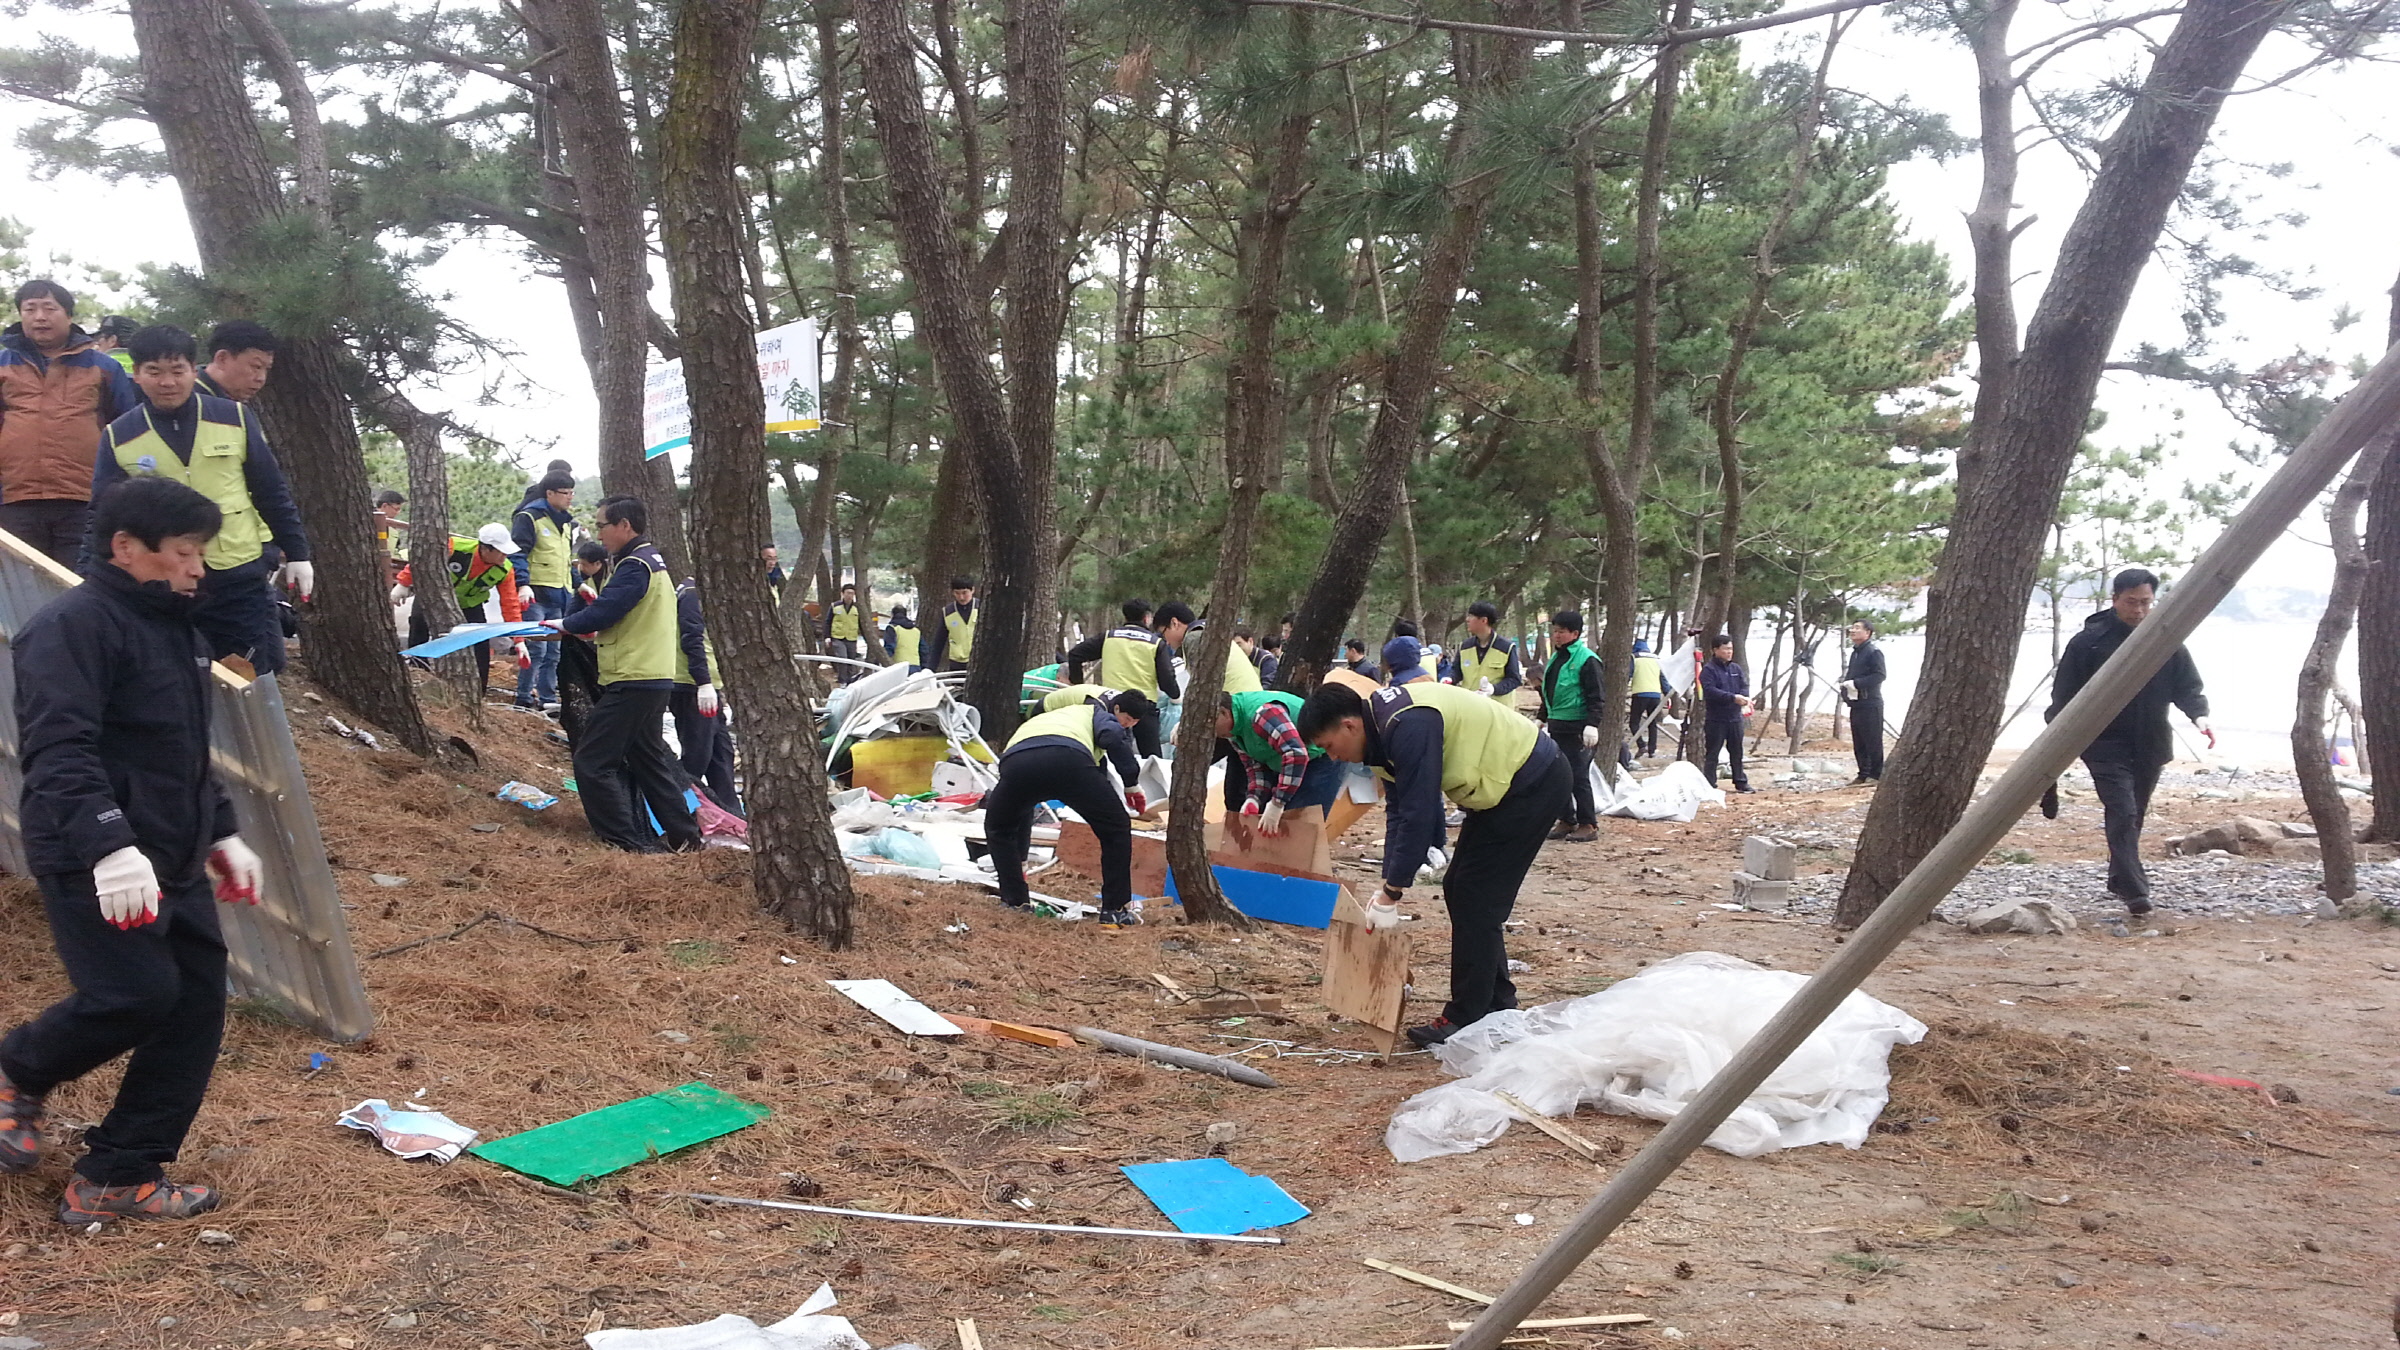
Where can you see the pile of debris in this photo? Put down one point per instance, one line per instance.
(2251, 837)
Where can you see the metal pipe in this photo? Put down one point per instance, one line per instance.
(981, 1223)
(2368, 409)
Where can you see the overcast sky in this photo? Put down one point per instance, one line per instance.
(2333, 127)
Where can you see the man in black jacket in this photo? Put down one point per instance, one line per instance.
(2125, 758)
(1862, 689)
(127, 834)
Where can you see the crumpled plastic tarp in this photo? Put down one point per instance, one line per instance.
(811, 1328)
(1676, 792)
(1646, 1046)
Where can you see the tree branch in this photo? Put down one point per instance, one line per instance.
(1672, 38)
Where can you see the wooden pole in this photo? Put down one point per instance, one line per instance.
(2369, 408)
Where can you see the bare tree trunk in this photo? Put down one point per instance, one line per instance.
(834, 197)
(192, 74)
(1035, 33)
(429, 539)
(2335, 840)
(797, 869)
(2379, 629)
(1976, 609)
(1989, 230)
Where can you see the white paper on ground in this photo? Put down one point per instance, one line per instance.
(807, 1329)
(410, 1134)
(1645, 1046)
(894, 1005)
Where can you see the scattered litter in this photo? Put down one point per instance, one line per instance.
(1222, 1132)
(1414, 1277)
(486, 828)
(808, 1329)
(1524, 1220)
(944, 1221)
(1177, 1056)
(1011, 1031)
(676, 1037)
(410, 1134)
(2021, 916)
(959, 927)
(1211, 1195)
(2220, 1080)
(1676, 792)
(905, 847)
(894, 1005)
(216, 1237)
(318, 1062)
(350, 733)
(1646, 1045)
(528, 796)
(1303, 902)
(388, 879)
(614, 1138)
(1580, 1146)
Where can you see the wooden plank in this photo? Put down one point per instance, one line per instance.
(1552, 1323)
(1366, 972)
(1301, 850)
(1345, 813)
(1079, 849)
(1575, 1143)
(1011, 1031)
(1414, 1277)
(968, 1337)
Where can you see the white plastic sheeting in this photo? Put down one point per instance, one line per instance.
(1646, 1046)
(1676, 792)
(811, 1328)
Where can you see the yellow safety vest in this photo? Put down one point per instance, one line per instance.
(1074, 696)
(1129, 659)
(1074, 723)
(550, 563)
(220, 449)
(845, 624)
(962, 634)
(1241, 673)
(1483, 743)
(1477, 664)
(1645, 673)
(642, 645)
(708, 651)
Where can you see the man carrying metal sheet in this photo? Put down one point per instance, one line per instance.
(133, 842)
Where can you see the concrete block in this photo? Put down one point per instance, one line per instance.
(1770, 859)
(1752, 891)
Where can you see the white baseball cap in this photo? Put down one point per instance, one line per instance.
(495, 537)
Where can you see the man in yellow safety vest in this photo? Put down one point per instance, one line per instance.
(544, 531)
(1056, 756)
(1488, 663)
(952, 644)
(1138, 656)
(842, 633)
(1641, 720)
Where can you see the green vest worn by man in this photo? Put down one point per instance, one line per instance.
(844, 625)
(220, 451)
(1129, 659)
(1245, 729)
(1074, 723)
(1241, 673)
(551, 560)
(642, 645)
(1477, 664)
(471, 584)
(1563, 682)
(962, 634)
(1483, 743)
(1645, 673)
(1074, 696)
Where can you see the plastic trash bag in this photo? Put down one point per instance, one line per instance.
(907, 849)
(1646, 1046)
(811, 1328)
(1676, 792)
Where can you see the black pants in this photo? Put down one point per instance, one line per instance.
(1726, 736)
(621, 764)
(707, 748)
(1638, 712)
(1145, 734)
(1496, 848)
(1578, 809)
(1866, 735)
(420, 633)
(236, 614)
(2123, 786)
(578, 685)
(158, 991)
(53, 527)
(1066, 774)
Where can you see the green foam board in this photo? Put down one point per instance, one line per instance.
(614, 1138)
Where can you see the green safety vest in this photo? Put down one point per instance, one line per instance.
(1129, 659)
(123, 358)
(1245, 731)
(1241, 672)
(844, 627)
(1477, 664)
(642, 645)
(1074, 723)
(551, 562)
(219, 452)
(1566, 691)
(962, 634)
(472, 587)
(1483, 743)
(1074, 696)
(1645, 673)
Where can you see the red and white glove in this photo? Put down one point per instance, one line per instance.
(707, 698)
(2200, 724)
(1136, 804)
(235, 869)
(1271, 824)
(127, 886)
(1384, 913)
(301, 577)
(524, 657)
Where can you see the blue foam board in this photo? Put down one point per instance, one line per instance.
(1211, 1195)
(468, 634)
(1297, 901)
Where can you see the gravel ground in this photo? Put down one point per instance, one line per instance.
(2203, 887)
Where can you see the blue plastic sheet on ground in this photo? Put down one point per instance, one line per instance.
(1298, 901)
(468, 634)
(1211, 1195)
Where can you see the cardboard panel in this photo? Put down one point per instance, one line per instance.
(1079, 848)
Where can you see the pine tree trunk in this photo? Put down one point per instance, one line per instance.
(797, 869)
(1975, 612)
(2379, 628)
(2331, 815)
(192, 72)
(1035, 33)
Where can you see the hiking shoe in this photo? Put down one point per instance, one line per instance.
(1120, 918)
(1862, 780)
(20, 1128)
(2137, 905)
(1586, 834)
(1433, 1033)
(1560, 831)
(88, 1202)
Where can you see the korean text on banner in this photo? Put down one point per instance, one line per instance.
(787, 377)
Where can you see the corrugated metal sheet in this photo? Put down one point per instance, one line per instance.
(291, 951)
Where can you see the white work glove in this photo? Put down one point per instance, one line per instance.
(1591, 738)
(399, 595)
(1850, 690)
(1271, 823)
(2200, 724)
(708, 700)
(1384, 913)
(1484, 685)
(128, 888)
(234, 868)
(301, 577)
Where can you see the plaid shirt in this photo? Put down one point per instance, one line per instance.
(1275, 724)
